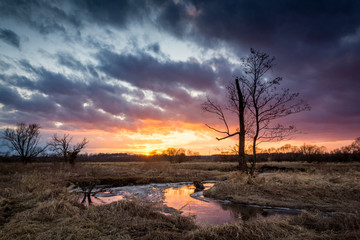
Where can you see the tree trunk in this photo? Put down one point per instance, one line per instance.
(253, 162)
(257, 130)
(242, 161)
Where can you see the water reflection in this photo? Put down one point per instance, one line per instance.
(184, 198)
(206, 213)
(209, 211)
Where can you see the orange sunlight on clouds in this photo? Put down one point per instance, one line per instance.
(157, 136)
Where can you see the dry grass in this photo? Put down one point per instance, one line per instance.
(335, 187)
(305, 226)
(36, 208)
(124, 173)
(35, 202)
(141, 173)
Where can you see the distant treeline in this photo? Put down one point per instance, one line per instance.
(296, 157)
(306, 152)
(107, 157)
(262, 157)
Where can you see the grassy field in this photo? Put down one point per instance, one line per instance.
(323, 187)
(35, 202)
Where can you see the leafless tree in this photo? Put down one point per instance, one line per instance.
(353, 148)
(267, 102)
(308, 149)
(24, 139)
(175, 155)
(62, 146)
(237, 99)
(76, 150)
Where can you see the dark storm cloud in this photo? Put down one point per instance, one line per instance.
(45, 16)
(4, 65)
(69, 61)
(12, 100)
(155, 47)
(296, 32)
(10, 37)
(316, 44)
(145, 71)
(337, 82)
(173, 17)
(174, 78)
(68, 93)
(115, 13)
(56, 98)
(264, 23)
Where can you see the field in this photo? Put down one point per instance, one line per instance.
(35, 202)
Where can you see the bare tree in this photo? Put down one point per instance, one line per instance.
(267, 102)
(308, 149)
(237, 105)
(62, 146)
(24, 139)
(353, 148)
(175, 155)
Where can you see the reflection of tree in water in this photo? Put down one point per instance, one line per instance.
(88, 190)
(243, 212)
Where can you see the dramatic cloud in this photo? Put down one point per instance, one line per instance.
(10, 37)
(143, 69)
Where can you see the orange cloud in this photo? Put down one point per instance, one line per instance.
(159, 135)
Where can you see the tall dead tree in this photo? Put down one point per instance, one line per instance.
(62, 146)
(237, 104)
(267, 102)
(24, 139)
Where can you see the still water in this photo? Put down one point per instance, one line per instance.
(182, 197)
(209, 211)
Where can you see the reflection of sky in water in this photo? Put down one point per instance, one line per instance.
(206, 212)
(184, 198)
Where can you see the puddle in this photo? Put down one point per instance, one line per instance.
(182, 197)
(210, 211)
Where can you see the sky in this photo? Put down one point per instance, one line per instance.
(131, 76)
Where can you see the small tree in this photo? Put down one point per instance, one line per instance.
(308, 149)
(353, 148)
(62, 146)
(267, 102)
(24, 139)
(175, 155)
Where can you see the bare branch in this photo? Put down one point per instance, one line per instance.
(229, 135)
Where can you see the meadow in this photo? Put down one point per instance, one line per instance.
(35, 202)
